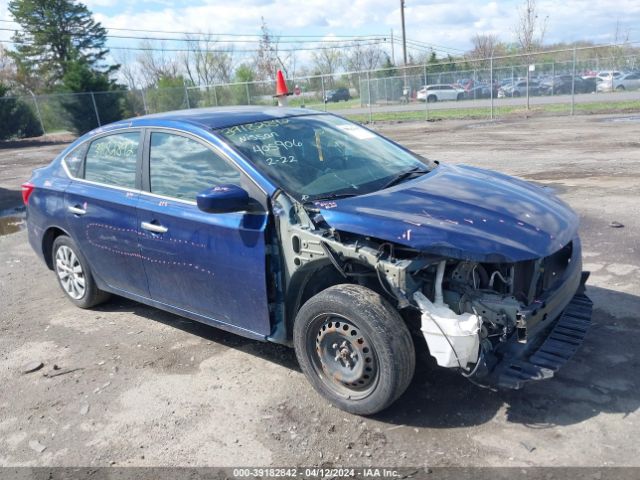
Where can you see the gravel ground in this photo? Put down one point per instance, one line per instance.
(125, 384)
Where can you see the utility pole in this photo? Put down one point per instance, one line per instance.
(404, 34)
(393, 50)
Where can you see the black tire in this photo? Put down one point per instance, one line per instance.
(432, 99)
(460, 96)
(620, 88)
(516, 93)
(354, 348)
(91, 295)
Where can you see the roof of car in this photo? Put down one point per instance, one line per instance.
(222, 117)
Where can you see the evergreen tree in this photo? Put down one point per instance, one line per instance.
(22, 121)
(110, 101)
(55, 34)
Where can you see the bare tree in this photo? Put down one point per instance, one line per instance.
(363, 57)
(484, 45)
(129, 69)
(155, 63)
(269, 57)
(619, 49)
(7, 67)
(328, 60)
(530, 29)
(206, 62)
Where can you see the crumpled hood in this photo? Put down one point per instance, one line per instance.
(460, 212)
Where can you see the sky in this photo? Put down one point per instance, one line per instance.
(448, 25)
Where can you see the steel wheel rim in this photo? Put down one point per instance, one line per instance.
(343, 357)
(70, 272)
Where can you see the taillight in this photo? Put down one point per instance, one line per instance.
(27, 190)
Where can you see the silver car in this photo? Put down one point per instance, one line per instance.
(627, 81)
(437, 93)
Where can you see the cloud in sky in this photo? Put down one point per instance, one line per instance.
(449, 24)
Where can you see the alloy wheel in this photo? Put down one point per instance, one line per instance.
(70, 272)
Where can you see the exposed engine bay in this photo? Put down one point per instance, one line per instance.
(468, 309)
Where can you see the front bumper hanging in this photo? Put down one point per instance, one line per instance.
(513, 367)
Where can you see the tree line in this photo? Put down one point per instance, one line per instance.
(61, 49)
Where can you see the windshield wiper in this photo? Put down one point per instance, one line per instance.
(404, 175)
(332, 196)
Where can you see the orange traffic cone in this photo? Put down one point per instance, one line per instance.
(282, 92)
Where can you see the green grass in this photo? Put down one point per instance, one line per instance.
(318, 105)
(498, 111)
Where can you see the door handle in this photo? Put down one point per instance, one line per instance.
(152, 227)
(77, 210)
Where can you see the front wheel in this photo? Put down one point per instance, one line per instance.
(74, 274)
(354, 348)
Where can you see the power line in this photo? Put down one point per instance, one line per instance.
(228, 50)
(191, 40)
(229, 34)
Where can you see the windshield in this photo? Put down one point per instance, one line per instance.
(323, 156)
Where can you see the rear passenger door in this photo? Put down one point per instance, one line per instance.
(210, 265)
(101, 204)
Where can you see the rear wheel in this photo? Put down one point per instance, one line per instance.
(354, 348)
(74, 275)
(620, 88)
(460, 96)
(432, 99)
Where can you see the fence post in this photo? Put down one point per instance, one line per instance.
(475, 83)
(248, 94)
(528, 75)
(323, 93)
(35, 101)
(95, 107)
(491, 82)
(573, 82)
(186, 93)
(553, 78)
(215, 95)
(386, 91)
(369, 96)
(144, 102)
(426, 104)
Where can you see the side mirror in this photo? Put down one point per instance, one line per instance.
(223, 199)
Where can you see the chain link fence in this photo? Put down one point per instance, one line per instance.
(555, 82)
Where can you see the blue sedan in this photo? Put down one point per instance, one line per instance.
(302, 228)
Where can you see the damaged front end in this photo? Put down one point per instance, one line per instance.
(526, 319)
(501, 323)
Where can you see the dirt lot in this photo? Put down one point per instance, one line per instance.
(137, 386)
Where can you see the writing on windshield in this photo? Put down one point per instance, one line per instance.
(321, 156)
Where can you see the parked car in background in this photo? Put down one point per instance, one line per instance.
(626, 81)
(604, 74)
(519, 89)
(337, 95)
(561, 85)
(480, 90)
(302, 228)
(439, 92)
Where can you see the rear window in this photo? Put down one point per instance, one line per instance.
(112, 160)
(74, 159)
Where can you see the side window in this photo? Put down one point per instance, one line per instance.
(181, 168)
(74, 159)
(112, 160)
